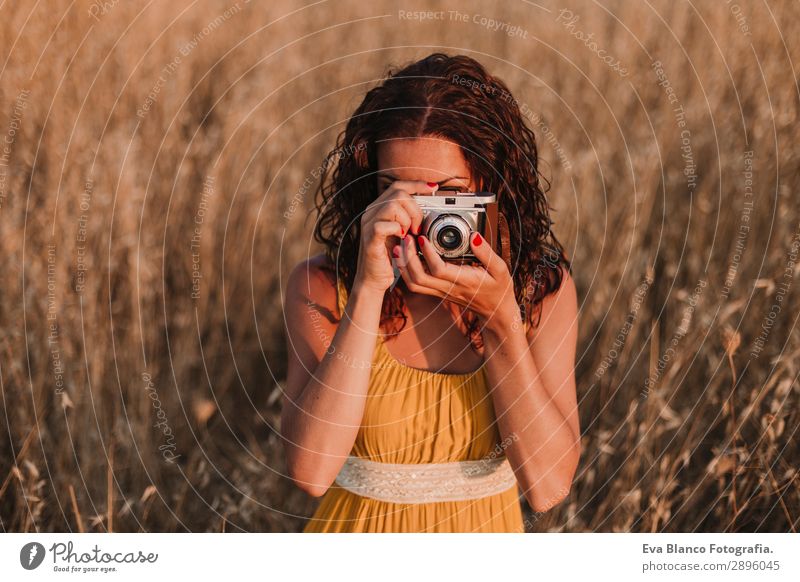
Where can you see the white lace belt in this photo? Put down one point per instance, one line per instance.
(426, 482)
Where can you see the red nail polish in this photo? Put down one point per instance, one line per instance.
(432, 184)
(477, 240)
(402, 232)
(421, 242)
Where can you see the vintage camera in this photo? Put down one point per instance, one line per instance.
(449, 221)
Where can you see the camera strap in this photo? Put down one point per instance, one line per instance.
(504, 244)
(497, 232)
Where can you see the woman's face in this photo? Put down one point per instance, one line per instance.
(429, 159)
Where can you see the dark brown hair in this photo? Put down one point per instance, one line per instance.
(452, 97)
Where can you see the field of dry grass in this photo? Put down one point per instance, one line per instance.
(155, 163)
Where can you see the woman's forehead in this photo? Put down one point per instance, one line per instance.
(421, 158)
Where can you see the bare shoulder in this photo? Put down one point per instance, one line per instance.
(566, 296)
(312, 283)
(559, 310)
(311, 319)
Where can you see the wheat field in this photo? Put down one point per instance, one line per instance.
(157, 168)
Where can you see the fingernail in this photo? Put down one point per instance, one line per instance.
(402, 232)
(432, 184)
(477, 239)
(421, 241)
(396, 252)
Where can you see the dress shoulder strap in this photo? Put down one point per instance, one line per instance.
(341, 295)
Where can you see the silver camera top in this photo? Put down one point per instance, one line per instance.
(456, 200)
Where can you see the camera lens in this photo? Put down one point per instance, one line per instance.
(449, 237)
(449, 234)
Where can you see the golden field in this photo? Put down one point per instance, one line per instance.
(157, 164)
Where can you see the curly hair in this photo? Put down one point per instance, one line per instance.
(451, 97)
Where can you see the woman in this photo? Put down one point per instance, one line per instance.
(422, 403)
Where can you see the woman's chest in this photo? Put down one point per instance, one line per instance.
(419, 417)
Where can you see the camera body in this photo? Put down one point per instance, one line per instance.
(449, 221)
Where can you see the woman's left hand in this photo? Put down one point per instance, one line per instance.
(486, 289)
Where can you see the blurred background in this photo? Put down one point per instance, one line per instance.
(157, 168)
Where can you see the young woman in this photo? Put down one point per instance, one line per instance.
(422, 406)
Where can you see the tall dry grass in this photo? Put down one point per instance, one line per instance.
(129, 404)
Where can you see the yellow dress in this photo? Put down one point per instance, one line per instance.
(417, 416)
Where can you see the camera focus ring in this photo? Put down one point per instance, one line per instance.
(449, 235)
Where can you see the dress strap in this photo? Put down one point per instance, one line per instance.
(341, 295)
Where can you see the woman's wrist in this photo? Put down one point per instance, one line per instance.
(364, 304)
(506, 317)
(367, 289)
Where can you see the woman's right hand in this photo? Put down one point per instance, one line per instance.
(383, 224)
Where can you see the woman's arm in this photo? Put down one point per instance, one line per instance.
(330, 365)
(328, 374)
(531, 374)
(533, 390)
